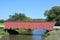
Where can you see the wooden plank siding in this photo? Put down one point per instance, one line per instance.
(30, 25)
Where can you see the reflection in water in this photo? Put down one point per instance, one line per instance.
(36, 35)
(17, 37)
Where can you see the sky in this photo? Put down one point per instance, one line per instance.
(31, 8)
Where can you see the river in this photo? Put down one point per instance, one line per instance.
(36, 35)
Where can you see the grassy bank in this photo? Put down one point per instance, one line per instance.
(2, 29)
(2, 32)
(54, 35)
(1, 24)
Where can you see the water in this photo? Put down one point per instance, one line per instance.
(36, 35)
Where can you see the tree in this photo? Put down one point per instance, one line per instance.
(1, 21)
(53, 14)
(19, 17)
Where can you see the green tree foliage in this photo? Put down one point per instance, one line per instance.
(1, 21)
(53, 14)
(19, 17)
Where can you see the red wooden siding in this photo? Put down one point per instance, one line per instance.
(30, 25)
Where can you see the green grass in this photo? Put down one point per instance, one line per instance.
(1, 24)
(2, 31)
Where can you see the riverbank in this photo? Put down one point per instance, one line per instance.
(2, 32)
(1, 36)
(54, 35)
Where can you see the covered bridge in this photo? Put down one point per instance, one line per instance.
(30, 25)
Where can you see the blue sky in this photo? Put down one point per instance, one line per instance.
(31, 8)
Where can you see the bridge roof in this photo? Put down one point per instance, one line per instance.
(30, 25)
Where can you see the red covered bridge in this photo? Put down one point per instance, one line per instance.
(30, 25)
